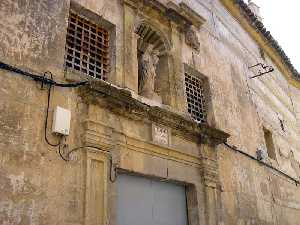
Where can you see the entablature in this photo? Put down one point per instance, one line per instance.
(121, 101)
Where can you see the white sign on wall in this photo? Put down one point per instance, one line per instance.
(160, 134)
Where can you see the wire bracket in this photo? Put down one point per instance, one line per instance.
(262, 70)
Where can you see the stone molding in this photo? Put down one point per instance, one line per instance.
(209, 163)
(97, 134)
(210, 173)
(187, 13)
(120, 101)
(181, 14)
(116, 141)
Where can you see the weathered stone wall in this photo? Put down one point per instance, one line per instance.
(38, 187)
(251, 193)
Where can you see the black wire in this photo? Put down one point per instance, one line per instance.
(87, 146)
(297, 182)
(39, 78)
(46, 119)
(51, 83)
(239, 151)
(113, 168)
(61, 155)
(45, 80)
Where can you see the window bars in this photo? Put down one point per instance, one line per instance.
(195, 98)
(87, 47)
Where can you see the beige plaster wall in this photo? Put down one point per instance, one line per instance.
(251, 193)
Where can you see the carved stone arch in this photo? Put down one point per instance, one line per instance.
(148, 34)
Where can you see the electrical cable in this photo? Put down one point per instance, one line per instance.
(51, 82)
(39, 78)
(297, 182)
(86, 146)
(61, 155)
(113, 168)
(44, 80)
(46, 119)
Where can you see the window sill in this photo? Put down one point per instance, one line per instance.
(72, 75)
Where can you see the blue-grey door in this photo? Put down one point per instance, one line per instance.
(142, 201)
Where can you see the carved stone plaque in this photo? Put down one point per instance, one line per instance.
(160, 134)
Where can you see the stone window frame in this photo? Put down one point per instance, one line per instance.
(207, 93)
(75, 75)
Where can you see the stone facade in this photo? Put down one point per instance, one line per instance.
(137, 135)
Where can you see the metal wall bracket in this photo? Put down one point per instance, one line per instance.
(264, 69)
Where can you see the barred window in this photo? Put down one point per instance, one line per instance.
(87, 47)
(195, 97)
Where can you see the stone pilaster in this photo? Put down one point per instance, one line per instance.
(96, 188)
(130, 47)
(96, 161)
(211, 183)
(177, 83)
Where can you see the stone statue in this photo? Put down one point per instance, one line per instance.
(149, 61)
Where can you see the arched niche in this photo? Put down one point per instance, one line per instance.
(148, 35)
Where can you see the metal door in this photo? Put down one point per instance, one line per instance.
(142, 201)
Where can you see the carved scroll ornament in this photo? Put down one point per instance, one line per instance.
(191, 38)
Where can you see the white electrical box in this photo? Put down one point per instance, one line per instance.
(61, 121)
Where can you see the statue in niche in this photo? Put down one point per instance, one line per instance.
(148, 62)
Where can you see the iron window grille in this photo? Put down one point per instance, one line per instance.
(195, 98)
(87, 47)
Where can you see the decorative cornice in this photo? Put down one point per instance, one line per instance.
(240, 10)
(186, 12)
(120, 101)
(180, 14)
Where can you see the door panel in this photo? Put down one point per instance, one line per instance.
(142, 201)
